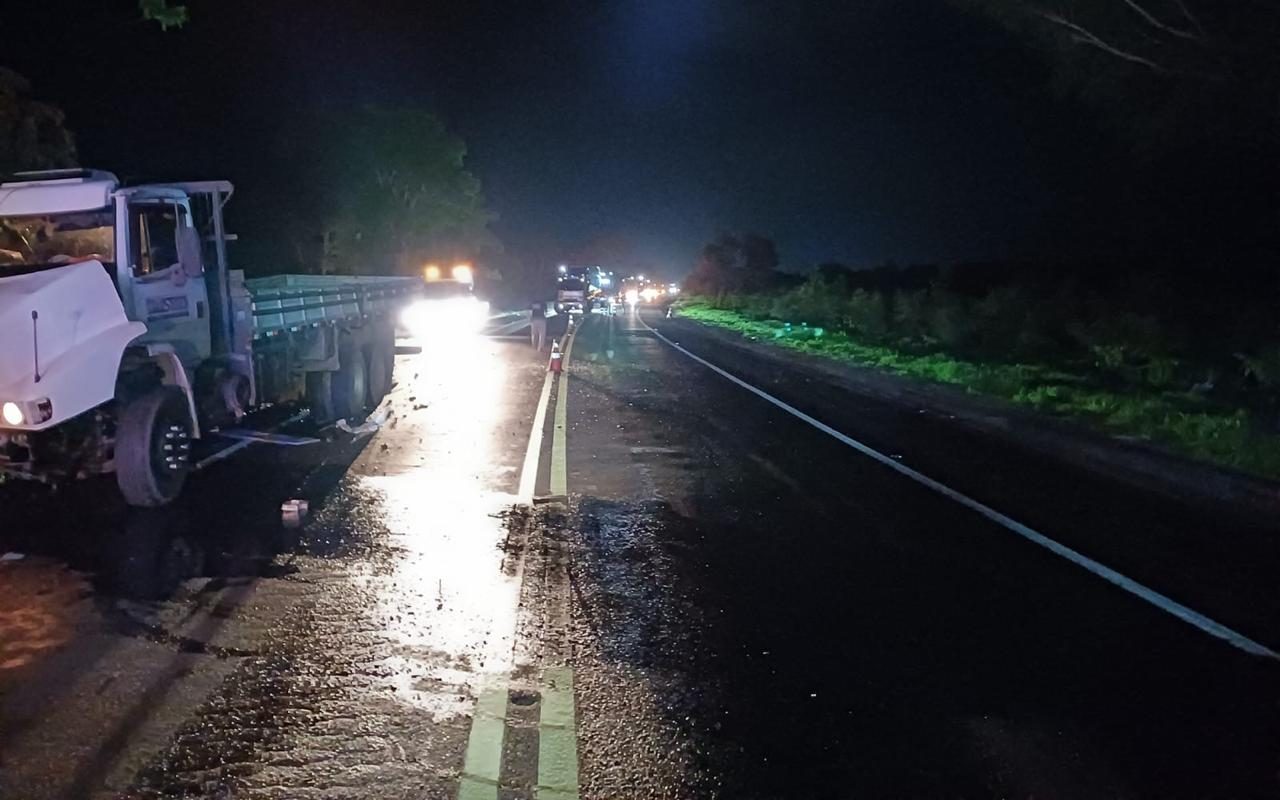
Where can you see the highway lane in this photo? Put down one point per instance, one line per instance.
(706, 598)
(792, 619)
(207, 651)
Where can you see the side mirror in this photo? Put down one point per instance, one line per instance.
(189, 255)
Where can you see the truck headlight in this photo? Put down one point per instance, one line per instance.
(31, 412)
(12, 414)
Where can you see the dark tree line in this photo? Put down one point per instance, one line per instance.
(734, 263)
(376, 189)
(33, 134)
(1169, 71)
(1192, 88)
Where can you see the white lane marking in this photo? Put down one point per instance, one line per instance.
(529, 472)
(1166, 604)
(227, 452)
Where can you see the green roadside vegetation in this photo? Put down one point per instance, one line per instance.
(1113, 374)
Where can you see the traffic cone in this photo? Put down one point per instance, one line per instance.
(555, 364)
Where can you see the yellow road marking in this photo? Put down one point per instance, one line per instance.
(557, 737)
(482, 763)
(559, 444)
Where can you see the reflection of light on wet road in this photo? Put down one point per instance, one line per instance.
(39, 609)
(448, 607)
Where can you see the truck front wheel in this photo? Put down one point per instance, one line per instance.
(153, 447)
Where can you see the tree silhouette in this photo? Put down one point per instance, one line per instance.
(382, 189)
(1170, 72)
(734, 263)
(32, 134)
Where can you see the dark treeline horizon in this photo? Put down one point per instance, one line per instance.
(910, 132)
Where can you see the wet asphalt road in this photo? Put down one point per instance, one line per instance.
(729, 603)
(207, 651)
(813, 624)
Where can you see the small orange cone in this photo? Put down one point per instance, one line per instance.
(555, 364)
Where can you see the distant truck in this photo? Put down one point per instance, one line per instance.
(449, 305)
(577, 288)
(126, 336)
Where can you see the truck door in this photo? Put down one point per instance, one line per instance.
(169, 292)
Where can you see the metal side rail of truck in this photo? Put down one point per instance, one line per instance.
(126, 335)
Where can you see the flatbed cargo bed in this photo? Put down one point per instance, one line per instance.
(289, 302)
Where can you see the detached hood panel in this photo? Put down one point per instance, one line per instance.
(81, 330)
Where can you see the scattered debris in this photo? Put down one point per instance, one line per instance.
(293, 512)
(367, 428)
(242, 434)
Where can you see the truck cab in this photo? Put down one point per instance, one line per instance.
(143, 237)
(104, 299)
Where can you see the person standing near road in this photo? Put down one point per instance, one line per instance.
(538, 326)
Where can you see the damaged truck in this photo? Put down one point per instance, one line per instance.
(126, 337)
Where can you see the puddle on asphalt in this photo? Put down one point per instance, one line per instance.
(449, 601)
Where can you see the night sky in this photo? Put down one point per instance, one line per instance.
(623, 131)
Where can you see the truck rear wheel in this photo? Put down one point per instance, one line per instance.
(320, 395)
(153, 447)
(350, 386)
(382, 360)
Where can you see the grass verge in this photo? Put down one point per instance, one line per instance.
(1182, 421)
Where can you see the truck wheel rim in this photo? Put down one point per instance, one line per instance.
(171, 449)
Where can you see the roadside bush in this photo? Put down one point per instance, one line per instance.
(911, 318)
(1262, 367)
(866, 314)
(1120, 337)
(951, 321)
(816, 302)
(1123, 352)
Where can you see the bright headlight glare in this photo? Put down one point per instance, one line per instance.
(428, 319)
(12, 414)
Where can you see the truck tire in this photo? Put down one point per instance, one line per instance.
(350, 385)
(320, 396)
(382, 360)
(153, 447)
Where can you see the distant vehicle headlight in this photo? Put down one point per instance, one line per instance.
(12, 414)
(428, 318)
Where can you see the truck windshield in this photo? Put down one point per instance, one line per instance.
(43, 241)
(572, 285)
